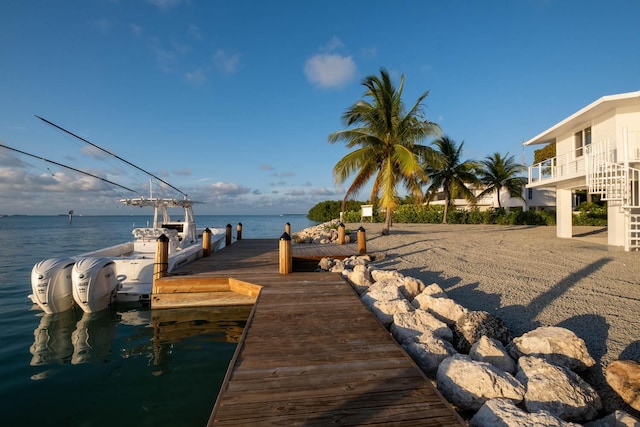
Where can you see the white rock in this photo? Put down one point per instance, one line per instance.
(492, 351)
(418, 322)
(469, 384)
(444, 309)
(387, 293)
(434, 290)
(556, 345)
(557, 390)
(411, 287)
(386, 310)
(618, 418)
(428, 351)
(359, 278)
(503, 413)
(385, 274)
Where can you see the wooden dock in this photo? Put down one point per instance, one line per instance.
(311, 353)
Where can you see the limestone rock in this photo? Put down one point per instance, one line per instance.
(624, 378)
(386, 293)
(492, 351)
(503, 413)
(444, 309)
(556, 345)
(469, 384)
(474, 324)
(434, 290)
(386, 310)
(411, 287)
(326, 263)
(359, 278)
(428, 351)
(617, 418)
(418, 322)
(557, 390)
(379, 275)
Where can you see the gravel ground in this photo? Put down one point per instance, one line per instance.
(528, 277)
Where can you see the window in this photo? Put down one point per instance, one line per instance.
(530, 193)
(580, 140)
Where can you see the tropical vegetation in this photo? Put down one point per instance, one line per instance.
(498, 172)
(448, 172)
(386, 138)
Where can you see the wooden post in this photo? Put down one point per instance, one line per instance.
(362, 241)
(239, 231)
(227, 242)
(341, 234)
(206, 242)
(287, 229)
(162, 259)
(286, 260)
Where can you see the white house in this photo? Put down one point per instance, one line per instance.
(534, 198)
(597, 149)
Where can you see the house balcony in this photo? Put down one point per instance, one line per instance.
(565, 167)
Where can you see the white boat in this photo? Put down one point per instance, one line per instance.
(123, 272)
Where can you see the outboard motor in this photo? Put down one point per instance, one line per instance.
(51, 285)
(94, 283)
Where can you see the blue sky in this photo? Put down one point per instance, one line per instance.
(232, 101)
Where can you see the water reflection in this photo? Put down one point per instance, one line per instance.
(74, 337)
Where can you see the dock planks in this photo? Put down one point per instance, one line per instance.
(311, 353)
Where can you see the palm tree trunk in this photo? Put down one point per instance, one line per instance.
(446, 207)
(387, 222)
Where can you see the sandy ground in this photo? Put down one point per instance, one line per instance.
(528, 277)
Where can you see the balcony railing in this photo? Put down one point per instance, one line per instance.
(565, 166)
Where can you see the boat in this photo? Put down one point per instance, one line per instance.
(123, 272)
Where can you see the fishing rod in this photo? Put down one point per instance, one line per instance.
(110, 153)
(69, 167)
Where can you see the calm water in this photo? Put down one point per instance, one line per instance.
(126, 366)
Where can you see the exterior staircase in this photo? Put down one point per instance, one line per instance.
(615, 181)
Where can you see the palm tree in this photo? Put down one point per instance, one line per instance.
(498, 172)
(446, 170)
(386, 140)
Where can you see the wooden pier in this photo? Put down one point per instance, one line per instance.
(311, 353)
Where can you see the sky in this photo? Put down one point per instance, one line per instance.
(232, 102)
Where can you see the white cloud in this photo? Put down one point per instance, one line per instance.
(197, 76)
(227, 63)
(322, 192)
(329, 70)
(266, 167)
(334, 44)
(227, 188)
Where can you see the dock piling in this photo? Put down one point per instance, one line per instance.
(341, 232)
(239, 231)
(161, 264)
(287, 229)
(286, 257)
(206, 242)
(228, 239)
(362, 241)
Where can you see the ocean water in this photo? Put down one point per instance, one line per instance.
(125, 366)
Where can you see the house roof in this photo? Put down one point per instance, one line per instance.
(585, 115)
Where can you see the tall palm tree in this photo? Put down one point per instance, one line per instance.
(386, 139)
(498, 172)
(448, 172)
